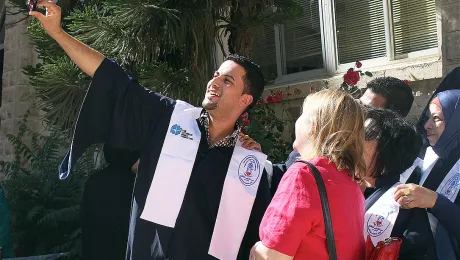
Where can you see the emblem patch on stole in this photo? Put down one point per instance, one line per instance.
(177, 129)
(450, 188)
(249, 170)
(378, 222)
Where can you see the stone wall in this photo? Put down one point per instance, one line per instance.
(449, 10)
(16, 92)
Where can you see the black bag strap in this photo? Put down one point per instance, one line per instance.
(326, 211)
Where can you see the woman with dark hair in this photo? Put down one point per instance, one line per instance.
(391, 147)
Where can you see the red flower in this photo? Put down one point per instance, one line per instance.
(407, 82)
(270, 99)
(358, 64)
(351, 77)
(261, 101)
(246, 122)
(276, 99)
(279, 94)
(245, 115)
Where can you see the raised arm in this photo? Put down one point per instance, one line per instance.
(86, 58)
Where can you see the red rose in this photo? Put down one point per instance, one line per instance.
(270, 99)
(407, 82)
(358, 64)
(246, 122)
(351, 77)
(244, 115)
(276, 99)
(261, 101)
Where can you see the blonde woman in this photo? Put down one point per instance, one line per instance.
(330, 135)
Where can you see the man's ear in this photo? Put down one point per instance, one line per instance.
(246, 100)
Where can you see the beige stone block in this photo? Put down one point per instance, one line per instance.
(18, 78)
(2, 136)
(5, 80)
(451, 17)
(11, 60)
(453, 45)
(9, 127)
(446, 2)
(6, 112)
(26, 57)
(21, 108)
(10, 41)
(450, 67)
(36, 124)
(23, 93)
(8, 95)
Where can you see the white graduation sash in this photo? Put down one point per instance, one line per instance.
(172, 175)
(448, 188)
(380, 219)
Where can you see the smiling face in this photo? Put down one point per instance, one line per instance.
(224, 92)
(435, 124)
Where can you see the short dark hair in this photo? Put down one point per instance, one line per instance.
(398, 142)
(398, 95)
(254, 82)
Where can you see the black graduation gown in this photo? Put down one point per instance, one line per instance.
(412, 225)
(119, 111)
(105, 208)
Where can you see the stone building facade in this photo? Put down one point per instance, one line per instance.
(424, 73)
(16, 92)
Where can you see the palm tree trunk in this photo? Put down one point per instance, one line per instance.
(240, 38)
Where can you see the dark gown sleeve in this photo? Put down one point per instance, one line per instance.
(278, 171)
(117, 110)
(448, 214)
(261, 203)
(413, 227)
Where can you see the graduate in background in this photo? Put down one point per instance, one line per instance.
(106, 206)
(199, 194)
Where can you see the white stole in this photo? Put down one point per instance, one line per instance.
(380, 219)
(174, 168)
(448, 188)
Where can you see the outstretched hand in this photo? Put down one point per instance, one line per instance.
(51, 21)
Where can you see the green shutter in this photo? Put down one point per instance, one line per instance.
(414, 25)
(360, 30)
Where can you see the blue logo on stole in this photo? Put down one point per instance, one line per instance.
(249, 170)
(175, 129)
(178, 130)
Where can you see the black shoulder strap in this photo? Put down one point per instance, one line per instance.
(326, 211)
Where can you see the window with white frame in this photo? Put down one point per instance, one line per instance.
(331, 34)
